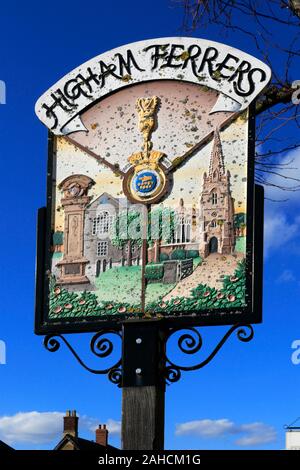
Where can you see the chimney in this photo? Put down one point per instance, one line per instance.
(71, 423)
(102, 435)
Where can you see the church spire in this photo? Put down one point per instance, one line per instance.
(216, 165)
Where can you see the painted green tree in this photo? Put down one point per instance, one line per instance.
(132, 226)
(240, 223)
(58, 238)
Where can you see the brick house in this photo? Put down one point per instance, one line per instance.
(71, 440)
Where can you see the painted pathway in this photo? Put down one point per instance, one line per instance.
(210, 272)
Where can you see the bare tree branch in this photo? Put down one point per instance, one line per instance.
(272, 26)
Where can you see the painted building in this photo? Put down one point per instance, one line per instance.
(208, 228)
(216, 206)
(100, 215)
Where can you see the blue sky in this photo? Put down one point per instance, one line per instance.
(245, 396)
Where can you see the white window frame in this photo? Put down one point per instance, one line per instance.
(102, 223)
(183, 228)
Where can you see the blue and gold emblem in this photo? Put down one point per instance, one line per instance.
(146, 180)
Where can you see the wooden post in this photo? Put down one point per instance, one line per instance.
(143, 399)
(143, 418)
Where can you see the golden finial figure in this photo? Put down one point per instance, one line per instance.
(146, 179)
(147, 109)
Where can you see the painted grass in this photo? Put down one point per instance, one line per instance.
(240, 245)
(157, 290)
(123, 284)
(57, 255)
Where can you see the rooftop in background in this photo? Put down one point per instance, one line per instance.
(4, 446)
(292, 436)
(71, 441)
(291, 427)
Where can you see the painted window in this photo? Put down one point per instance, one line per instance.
(213, 223)
(102, 223)
(102, 248)
(214, 198)
(183, 231)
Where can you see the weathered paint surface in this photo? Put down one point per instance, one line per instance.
(237, 76)
(164, 117)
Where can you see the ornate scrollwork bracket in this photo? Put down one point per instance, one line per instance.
(191, 342)
(100, 345)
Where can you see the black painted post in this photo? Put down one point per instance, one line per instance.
(143, 393)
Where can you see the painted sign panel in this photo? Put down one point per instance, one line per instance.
(150, 194)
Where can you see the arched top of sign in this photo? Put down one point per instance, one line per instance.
(237, 76)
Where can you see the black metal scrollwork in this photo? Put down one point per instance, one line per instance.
(100, 345)
(191, 343)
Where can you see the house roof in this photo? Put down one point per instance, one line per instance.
(83, 444)
(106, 197)
(217, 158)
(4, 446)
(293, 426)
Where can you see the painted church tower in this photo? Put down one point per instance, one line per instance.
(216, 206)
